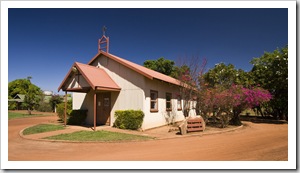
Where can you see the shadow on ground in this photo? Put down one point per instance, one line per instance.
(259, 119)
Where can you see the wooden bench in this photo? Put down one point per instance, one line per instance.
(195, 124)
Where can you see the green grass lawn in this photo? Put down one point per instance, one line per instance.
(13, 115)
(98, 136)
(249, 111)
(42, 128)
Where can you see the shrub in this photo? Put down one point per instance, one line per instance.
(129, 119)
(224, 119)
(44, 107)
(61, 110)
(77, 117)
(12, 105)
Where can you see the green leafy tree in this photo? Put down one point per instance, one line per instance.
(24, 86)
(55, 100)
(227, 75)
(161, 65)
(44, 106)
(179, 71)
(221, 75)
(270, 71)
(18, 86)
(61, 110)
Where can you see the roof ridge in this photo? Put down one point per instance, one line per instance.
(88, 72)
(90, 66)
(84, 64)
(132, 64)
(102, 69)
(156, 72)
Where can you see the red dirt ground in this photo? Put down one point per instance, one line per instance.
(253, 142)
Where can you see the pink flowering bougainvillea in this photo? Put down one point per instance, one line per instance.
(229, 103)
(249, 98)
(244, 98)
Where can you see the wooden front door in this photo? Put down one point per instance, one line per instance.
(103, 108)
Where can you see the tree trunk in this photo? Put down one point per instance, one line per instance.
(235, 120)
(29, 111)
(260, 111)
(214, 118)
(186, 112)
(275, 114)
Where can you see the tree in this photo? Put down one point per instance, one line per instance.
(227, 91)
(270, 71)
(18, 86)
(43, 106)
(214, 84)
(161, 65)
(227, 75)
(61, 110)
(55, 100)
(179, 70)
(221, 75)
(24, 86)
(227, 104)
(188, 75)
(244, 98)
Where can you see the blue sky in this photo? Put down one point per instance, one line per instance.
(44, 43)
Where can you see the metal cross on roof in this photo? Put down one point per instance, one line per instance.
(103, 43)
(104, 30)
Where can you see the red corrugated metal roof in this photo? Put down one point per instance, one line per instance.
(96, 77)
(151, 74)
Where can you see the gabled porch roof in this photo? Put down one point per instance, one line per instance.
(96, 78)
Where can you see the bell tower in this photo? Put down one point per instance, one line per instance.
(103, 42)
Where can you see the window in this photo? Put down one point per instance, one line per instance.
(179, 103)
(168, 101)
(153, 101)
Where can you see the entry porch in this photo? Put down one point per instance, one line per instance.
(97, 89)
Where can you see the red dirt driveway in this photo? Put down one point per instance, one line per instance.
(253, 142)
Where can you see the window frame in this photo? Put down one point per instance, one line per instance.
(154, 101)
(170, 102)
